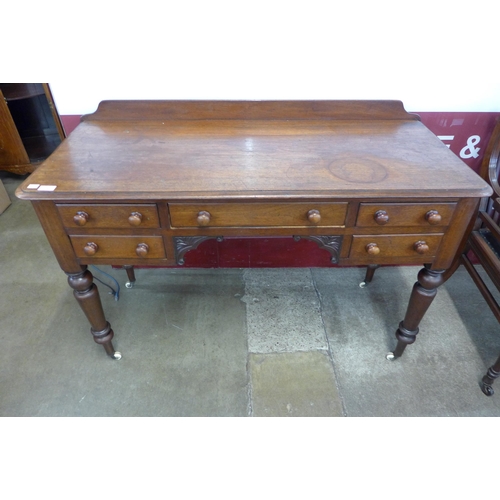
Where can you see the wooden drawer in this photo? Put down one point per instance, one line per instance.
(395, 245)
(405, 214)
(257, 214)
(118, 247)
(109, 216)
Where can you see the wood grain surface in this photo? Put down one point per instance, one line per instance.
(203, 157)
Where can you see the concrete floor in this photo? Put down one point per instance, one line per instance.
(255, 342)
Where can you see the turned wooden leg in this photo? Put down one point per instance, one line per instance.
(130, 276)
(87, 296)
(422, 295)
(492, 373)
(370, 271)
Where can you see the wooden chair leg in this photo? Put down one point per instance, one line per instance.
(492, 373)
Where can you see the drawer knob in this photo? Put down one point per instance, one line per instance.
(81, 218)
(203, 218)
(381, 217)
(135, 219)
(314, 216)
(142, 249)
(433, 217)
(421, 247)
(90, 249)
(372, 249)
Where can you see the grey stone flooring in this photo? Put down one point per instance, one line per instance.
(219, 342)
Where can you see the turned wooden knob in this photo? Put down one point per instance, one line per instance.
(81, 218)
(372, 249)
(203, 218)
(433, 217)
(421, 247)
(381, 217)
(90, 249)
(314, 216)
(135, 219)
(142, 249)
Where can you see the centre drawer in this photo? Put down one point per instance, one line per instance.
(405, 214)
(118, 247)
(109, 215)
(257, 214)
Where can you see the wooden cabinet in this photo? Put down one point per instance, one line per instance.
(30, 127)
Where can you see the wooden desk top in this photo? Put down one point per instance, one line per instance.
(145, 150)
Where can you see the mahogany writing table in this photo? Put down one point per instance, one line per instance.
(143, 182)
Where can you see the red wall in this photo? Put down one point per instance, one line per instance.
(466, 134)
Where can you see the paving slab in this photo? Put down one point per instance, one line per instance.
(299, 384)
(436, 376)
(283, 311)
